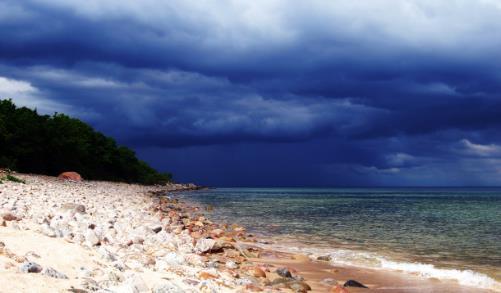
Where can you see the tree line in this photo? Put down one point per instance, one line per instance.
(51, 144)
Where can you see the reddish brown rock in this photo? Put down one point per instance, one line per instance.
(205, 276)
(73, 176)
(9, 217)
(258, 273)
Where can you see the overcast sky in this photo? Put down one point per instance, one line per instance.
(272, 93)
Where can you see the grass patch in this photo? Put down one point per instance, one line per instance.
(11, 178)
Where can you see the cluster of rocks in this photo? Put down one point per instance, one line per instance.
(225, 250)
(145, 240)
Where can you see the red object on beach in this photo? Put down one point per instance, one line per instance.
(74, 176)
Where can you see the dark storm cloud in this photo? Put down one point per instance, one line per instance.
(351, 93)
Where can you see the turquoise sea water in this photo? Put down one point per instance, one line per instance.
(434, 232)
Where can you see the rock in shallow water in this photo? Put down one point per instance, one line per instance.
(324, 258)
(353, 283)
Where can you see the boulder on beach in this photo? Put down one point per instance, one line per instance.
(73, 176)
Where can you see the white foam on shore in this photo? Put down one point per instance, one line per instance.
(463, 277)
(374, 261)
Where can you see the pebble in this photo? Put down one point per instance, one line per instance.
(280, 282)
(231, 265)
(284, 272)
(30, 267)
(54, 274)
(300, 287)
(48, 231)
(80, 209)
(206, 275)
(324, 258)
(244, 281)
(137, 284)
(91, 237)
(329, 281)
(216, 233)
(259, 273)
(204, 245)
(9, 217)
(106, 254)
(90, 284)
(168, 287)
(84, 273)
(119, 265)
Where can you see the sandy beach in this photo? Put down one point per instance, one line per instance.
(65, 236)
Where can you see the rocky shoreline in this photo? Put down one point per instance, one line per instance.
(66, 236)
(135, 238)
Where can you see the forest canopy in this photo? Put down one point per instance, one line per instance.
(43, 144)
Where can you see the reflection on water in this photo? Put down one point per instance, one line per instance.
(450, 228)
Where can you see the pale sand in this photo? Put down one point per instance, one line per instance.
(54, 252)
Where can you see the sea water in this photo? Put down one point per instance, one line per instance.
(433, 232)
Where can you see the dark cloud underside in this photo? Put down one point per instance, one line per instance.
(272, 92)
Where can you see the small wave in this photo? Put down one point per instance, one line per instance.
(374, 261)
(463, 277)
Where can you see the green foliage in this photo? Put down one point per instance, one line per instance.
(14, 179)
(43, 144)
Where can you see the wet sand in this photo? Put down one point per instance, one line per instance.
(315, 272)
